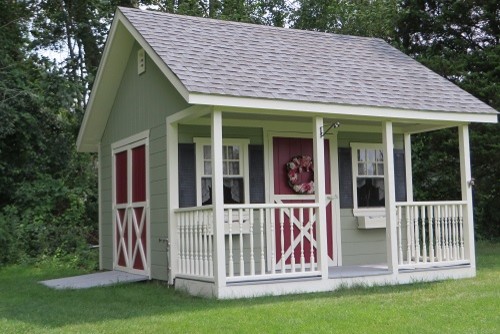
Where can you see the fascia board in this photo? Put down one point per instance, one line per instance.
(105, 86)
(283, 106)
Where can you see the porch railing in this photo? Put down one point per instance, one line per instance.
(262, 241)
(430, 233)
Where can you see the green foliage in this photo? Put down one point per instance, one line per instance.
(47, 198)
(372, 18)
(460, 41)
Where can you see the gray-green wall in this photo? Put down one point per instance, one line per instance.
(142, 103)
(361, 246)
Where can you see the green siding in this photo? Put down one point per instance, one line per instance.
(142, 103)
(346, 138)
(360, 246)
(188, 132)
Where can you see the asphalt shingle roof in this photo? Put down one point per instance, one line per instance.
(246, 60)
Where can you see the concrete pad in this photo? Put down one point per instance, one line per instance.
(104, 278)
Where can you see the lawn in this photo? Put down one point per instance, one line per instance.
(461, 306)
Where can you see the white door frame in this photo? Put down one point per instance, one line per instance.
(269, 135)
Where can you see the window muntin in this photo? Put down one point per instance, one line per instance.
(235, 171)
(368, 176)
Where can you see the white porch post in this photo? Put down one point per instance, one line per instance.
(390, 197)
(465, 178)
(408, 168)
(218, 201)
(173, 198)
(320, 196)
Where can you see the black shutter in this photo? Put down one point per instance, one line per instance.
(400, 175)
(345, 178)
(256, 173)
(187, 175)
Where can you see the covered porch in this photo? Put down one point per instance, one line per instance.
(284, 245)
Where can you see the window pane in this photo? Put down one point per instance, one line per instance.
(370, 192)
(233, 190)
(235, 168)
(370, 169)
(236, 153)
(207, 152)
(207, 168)
(206, 191)
(380, 169)
(224, 168)
(361, 155)
(371, 155)
(224, 152)
(361, 169)
(380, 155)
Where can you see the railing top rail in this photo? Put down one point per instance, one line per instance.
(194, 208)
(428, 203)
(271, 206)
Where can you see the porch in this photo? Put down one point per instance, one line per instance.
(284, 245)
(430, 244)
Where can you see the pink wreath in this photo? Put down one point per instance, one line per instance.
(300, 164)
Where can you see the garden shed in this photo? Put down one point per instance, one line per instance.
(239, 160)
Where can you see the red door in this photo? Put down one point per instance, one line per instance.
(290, 245)
(130, 209)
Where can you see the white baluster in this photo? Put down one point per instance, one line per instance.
(191, 244)
(282, 239)
(292, 255)
(205, 244)
(430, 215)
(272, 214)
(210, 245)
(461, 231)
(445, 225)
(311, 220)
(252, 259)
(416, 234)
(408, 235)
(178, 217)
(230, 227)
(302, 258)
(455, 233)
(196, 215)
(424, 244)
(262, 259)
(400, 246)
(242, 260)
(439, 229)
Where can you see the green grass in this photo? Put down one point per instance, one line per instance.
(460, 306)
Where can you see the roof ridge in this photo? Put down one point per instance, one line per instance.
(246, 24)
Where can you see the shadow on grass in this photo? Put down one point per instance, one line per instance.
(23, 299)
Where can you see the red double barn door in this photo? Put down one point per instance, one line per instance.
(130, 211)
(295, 232)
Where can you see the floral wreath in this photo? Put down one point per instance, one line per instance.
(299, 164)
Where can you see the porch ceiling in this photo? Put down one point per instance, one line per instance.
(346, 124)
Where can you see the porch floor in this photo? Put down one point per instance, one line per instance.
(358, 271)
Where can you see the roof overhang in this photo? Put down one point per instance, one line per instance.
(115, 57)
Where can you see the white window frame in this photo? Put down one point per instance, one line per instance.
(244, 166)
(372, 211)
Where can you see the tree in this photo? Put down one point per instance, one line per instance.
(460, 41)
(371, 18)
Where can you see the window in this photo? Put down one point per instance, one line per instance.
(368, 177)
(235, 170)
